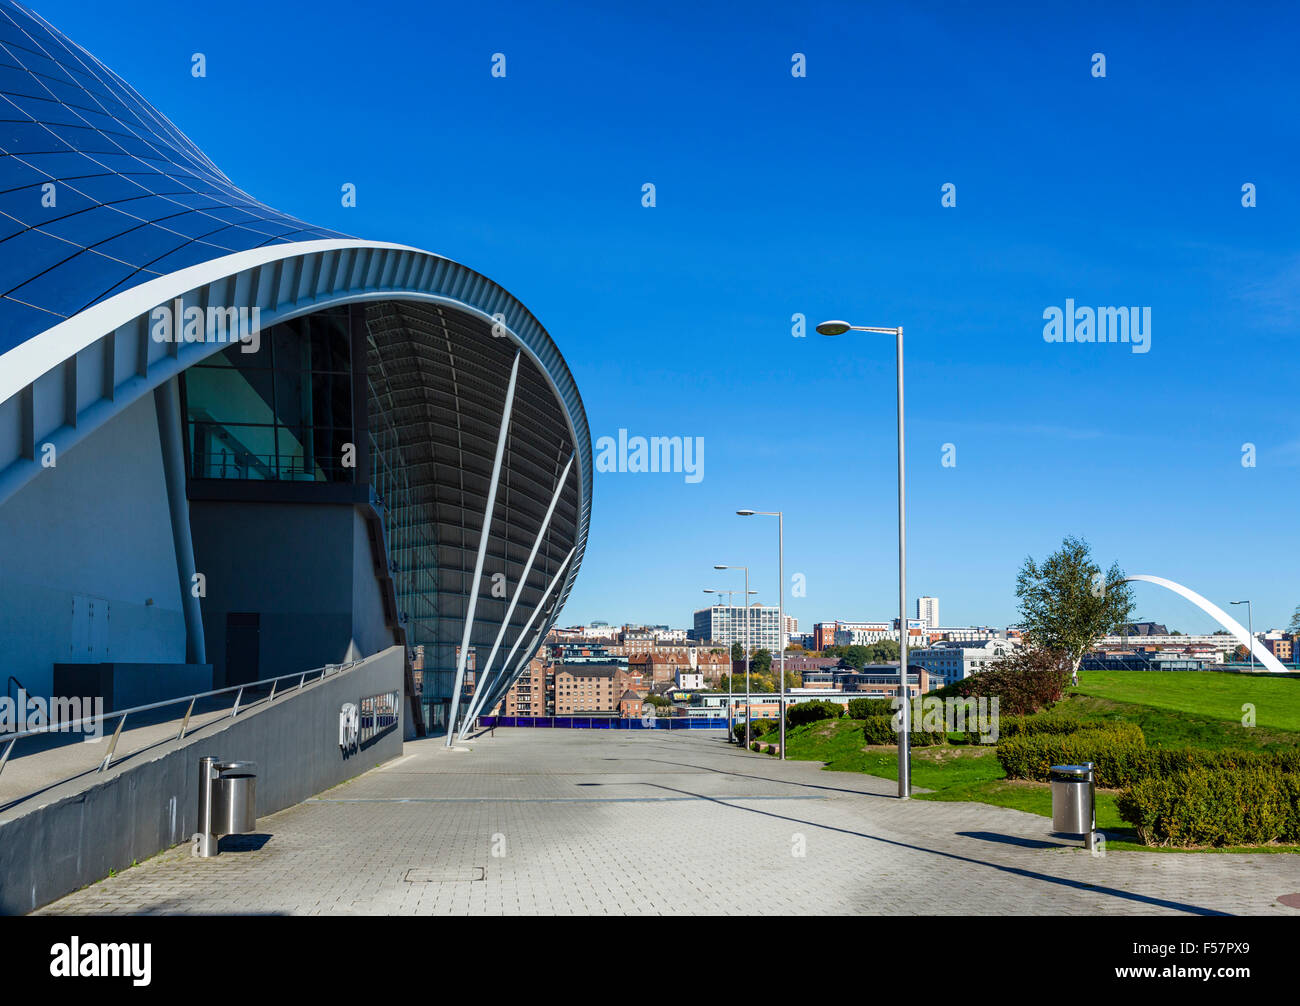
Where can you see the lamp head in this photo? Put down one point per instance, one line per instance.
(745, 513)
(721, 567)
(833, 327)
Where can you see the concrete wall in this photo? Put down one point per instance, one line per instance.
(305, 569)
(64, 596)
(149, 803)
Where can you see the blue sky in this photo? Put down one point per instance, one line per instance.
(821, 196)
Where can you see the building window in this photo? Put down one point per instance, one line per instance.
(283, 413)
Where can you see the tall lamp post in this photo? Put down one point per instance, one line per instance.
(730, 595)
(748, 701)
(780, 599)
(904, 741)
(1250, 628)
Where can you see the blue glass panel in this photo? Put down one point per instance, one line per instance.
(18, 322)
(9, 226)
(25, 204)
(142, 245)
(32, 137)
(46, 110)
(35, 252)
(92, 226)
(187, 255)
(70, 285)
(15, 81)
(15, 174)
(104, 188)
(62, 165)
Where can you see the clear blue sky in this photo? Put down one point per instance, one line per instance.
(821, 195)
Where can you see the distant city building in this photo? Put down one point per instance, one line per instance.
(954, 661)
(1143, 629)
(725, 624)
(1223, 643)
(1280, 644)
(862, 633)
(585, 688)
(1145, 660)
(927, 611)
(965, 633)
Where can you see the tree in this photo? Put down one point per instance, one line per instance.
(1067, 604)
(761, 662)
(1295, 620)
(883, 651)
(737, 651)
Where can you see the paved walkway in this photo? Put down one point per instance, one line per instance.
(629, 823)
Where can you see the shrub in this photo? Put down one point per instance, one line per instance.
(1247, 805)
(1118, 754)
(1023, 682)
(860, 709)
(810, 712)
(756, 729)
(879, 730)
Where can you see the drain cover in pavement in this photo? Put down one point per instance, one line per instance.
(445, 874)
(1290, 900)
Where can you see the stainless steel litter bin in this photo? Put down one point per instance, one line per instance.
(234, 798)
(227, 802)
(1073, 800)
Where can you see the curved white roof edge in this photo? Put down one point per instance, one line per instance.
(1219, 615)
(43, 352)
(67, 381)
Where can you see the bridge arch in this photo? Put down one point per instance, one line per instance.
(1261, 652)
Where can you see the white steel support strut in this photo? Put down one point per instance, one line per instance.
(480, 691)
(484, 534)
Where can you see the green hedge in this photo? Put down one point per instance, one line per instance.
(756, 729)
(1118, 754)
(1121, 758)
(810, 712)
(861, 709)
(880, 730)
(1249, 805)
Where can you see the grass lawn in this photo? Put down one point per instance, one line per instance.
(1208, 695)
(961, 773)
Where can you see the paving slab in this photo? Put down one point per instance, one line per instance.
(545, 822)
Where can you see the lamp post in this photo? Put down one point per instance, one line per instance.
(904, 741)
(780, 599)
(730, 596)
(748, 701)
(1250, 628)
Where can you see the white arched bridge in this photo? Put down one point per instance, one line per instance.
(1261, 652)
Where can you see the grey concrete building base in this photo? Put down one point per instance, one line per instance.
(75, 834)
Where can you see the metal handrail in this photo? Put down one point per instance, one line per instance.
(122, 714)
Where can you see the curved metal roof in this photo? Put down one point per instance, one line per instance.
(107, 210)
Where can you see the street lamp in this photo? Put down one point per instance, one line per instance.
(904, 741)
(780, 599)
(1250, 628)
(730, 677)
(748, 701)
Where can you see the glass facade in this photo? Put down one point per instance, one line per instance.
(282, 413)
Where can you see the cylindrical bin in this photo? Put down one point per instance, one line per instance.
(205, 838)
(234, 798)
(1073, 799)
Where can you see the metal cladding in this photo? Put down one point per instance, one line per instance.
(107, 210)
